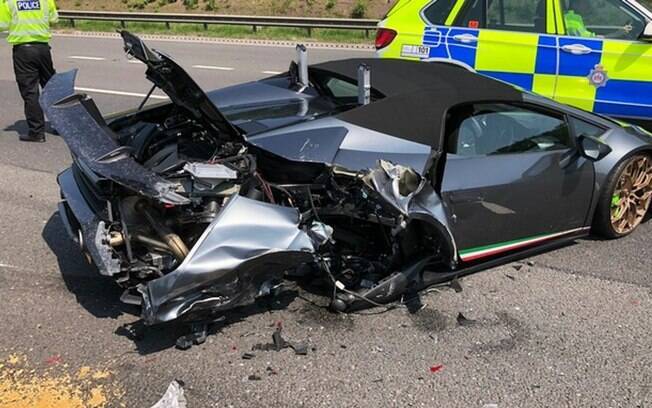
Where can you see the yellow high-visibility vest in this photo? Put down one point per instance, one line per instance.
(28, 20)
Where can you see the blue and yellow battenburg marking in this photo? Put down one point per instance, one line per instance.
(614, 78)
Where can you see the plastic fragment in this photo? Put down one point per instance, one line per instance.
(510, 277)
(198, 335)
(463, 321)
(254, 377)
(300, 349)
(456, 286)
(54, 360)
(270, 371)
(248, 356)
(279, 343)
(184, 342)
(173, 397)
(436, 368)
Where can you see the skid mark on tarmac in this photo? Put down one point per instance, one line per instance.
(27, 385)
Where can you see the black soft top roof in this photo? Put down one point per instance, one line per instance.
(417, 95)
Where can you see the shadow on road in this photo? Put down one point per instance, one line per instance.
(20, 128)
(97, 294)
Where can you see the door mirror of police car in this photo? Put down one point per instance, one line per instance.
(593, 148)
(647, 33)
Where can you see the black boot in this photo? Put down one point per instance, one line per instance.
(32, 138)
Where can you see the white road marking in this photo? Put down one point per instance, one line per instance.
(3, 265)
(119, 93)
(135, 62)
(213, 67)
(272, 72)
(80, 57)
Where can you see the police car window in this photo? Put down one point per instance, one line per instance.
(517, 15)
(490, 129)
(602, 19)
(437, 12)
(508, 15)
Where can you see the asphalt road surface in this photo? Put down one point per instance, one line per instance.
(567, 328)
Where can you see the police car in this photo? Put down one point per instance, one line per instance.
(592, 54)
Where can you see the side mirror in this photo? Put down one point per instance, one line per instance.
(647, 33)
(593, 148)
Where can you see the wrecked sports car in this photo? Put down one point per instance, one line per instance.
(377, 178)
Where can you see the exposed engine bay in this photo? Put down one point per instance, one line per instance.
(358, 239)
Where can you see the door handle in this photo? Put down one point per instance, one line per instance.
(465, 38)
(577, 49)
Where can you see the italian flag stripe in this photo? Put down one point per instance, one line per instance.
(490, 250)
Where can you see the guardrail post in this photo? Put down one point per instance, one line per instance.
(366, 33)
(255, 27)
(205, 26)
(72, 22)
(123, 24)
(309, 31)
(167, 25)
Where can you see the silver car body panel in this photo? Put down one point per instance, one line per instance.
(245, 233)
(336, 142)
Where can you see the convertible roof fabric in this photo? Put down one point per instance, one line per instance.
(417, 95)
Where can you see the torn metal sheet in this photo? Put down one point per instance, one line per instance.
(397, 184)
(249, 243)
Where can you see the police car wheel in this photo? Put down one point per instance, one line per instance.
(626, 199)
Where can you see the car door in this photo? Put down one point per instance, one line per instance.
(512, 177)
(510, 40)
(604, 68)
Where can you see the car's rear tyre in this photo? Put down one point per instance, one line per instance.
(626, 198)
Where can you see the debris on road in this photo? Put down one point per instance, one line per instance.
(248, 356)
(510, 277)
(279, 343)
(173, 397)
(463, 321)
(517, 267)
(271, 371)
(456, 286)
(436, 368)
(198, 335)
(54, 360)
(254, 377)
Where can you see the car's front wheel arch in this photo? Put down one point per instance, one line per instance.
(621, 201)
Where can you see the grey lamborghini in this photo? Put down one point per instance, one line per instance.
(370, 178)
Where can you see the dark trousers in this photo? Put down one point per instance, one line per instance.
(33, 67)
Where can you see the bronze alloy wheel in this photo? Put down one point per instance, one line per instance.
(632, 195)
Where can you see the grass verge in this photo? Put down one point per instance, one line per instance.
(226, 31)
